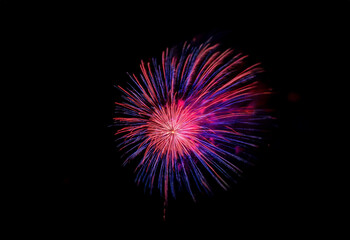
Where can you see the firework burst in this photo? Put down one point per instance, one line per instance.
(192, 119)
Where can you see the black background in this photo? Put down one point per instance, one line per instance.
(73, 55)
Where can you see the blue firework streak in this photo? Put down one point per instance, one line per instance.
(192, 119)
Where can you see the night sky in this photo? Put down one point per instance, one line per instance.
(78, 52)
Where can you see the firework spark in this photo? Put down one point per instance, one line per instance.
(191, 118)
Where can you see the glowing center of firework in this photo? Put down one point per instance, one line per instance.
(172, 129)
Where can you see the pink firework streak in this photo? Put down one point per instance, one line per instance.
(191, 119)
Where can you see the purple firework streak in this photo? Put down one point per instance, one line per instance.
(192, 119)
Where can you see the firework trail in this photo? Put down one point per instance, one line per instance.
(192, 118)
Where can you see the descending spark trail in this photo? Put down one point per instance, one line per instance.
(191, 118)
